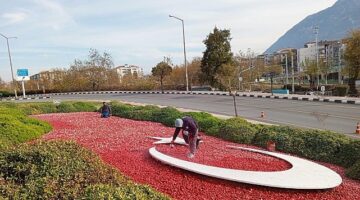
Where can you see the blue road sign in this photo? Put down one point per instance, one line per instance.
(22, 72)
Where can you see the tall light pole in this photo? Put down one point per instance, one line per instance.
(292, 73)
(186, 71)
(316, 32)
(12, 72)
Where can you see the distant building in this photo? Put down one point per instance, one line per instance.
(129, 70)
(289, 60)
(328, 51)
(48, 75)
(47, 78)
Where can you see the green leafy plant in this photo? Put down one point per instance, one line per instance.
(57, 169)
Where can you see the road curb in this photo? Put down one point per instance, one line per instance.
(28, 98)
(294, 98)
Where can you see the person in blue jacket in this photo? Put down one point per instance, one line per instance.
(105, 110)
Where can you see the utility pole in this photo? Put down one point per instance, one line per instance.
(316, 32)
(292, 73)
(339, 65)
(12, 72)
(286, 70)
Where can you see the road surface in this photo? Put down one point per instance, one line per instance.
(341, 118)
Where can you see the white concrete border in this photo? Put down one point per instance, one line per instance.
(303, 175)
(332, 99)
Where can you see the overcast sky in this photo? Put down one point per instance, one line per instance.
(53, 33)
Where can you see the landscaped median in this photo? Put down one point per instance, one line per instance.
(53, 169)
(324, 146)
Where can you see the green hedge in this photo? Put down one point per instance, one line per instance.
(63, 170)
(49, 107)
(237, 130)
(340, 90)
(354, 171)
(16, 127)
(207, 123)
(313, 144)
(166, 115)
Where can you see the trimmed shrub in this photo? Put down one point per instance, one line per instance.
(340, 90)
(85, 106)
(135, 191)
(167, 116)
(354, 171)
(37, 108)
(65, 107)
(122, 110)
(313, 144)
(5, 94)
(16, 128)
(349, 153)
(61, 170)
(144, 113)
(207, 123)
(237, 130)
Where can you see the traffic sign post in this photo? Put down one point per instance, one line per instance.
(23, 75)
(322, 90)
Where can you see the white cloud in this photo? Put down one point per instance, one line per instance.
(52, 14)
(14, 17)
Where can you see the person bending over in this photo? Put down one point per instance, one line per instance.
(190, 133)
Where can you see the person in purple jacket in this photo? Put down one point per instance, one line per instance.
(190, 133)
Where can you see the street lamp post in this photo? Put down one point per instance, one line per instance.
(186, 71)
(12, 73)
(316, 32)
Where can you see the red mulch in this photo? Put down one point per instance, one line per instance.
(123, 144)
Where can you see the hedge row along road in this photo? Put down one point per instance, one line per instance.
(340, 118)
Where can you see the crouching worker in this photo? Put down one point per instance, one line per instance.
(190, 134)
(105, 110)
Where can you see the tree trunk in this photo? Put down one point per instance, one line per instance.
(161, 85)
(326, 79)
(352, 86)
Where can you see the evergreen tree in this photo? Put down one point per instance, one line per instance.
(217, 53)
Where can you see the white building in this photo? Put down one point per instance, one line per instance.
(328, 51)
(129, 70)
(306, 53)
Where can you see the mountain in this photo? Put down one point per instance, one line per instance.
(334, 23)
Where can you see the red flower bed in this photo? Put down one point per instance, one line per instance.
(123, 144)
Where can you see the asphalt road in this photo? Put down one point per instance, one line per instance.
(341, 118)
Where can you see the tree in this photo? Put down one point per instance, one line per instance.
(311, 69)
(226, 76)
(325, 67)
(2, 84)
(217, 53)
(161, 70)
(177, 77)
(94, 73)
(352, 59)
(97, 67)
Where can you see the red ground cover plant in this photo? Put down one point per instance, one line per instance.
(124, 144)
